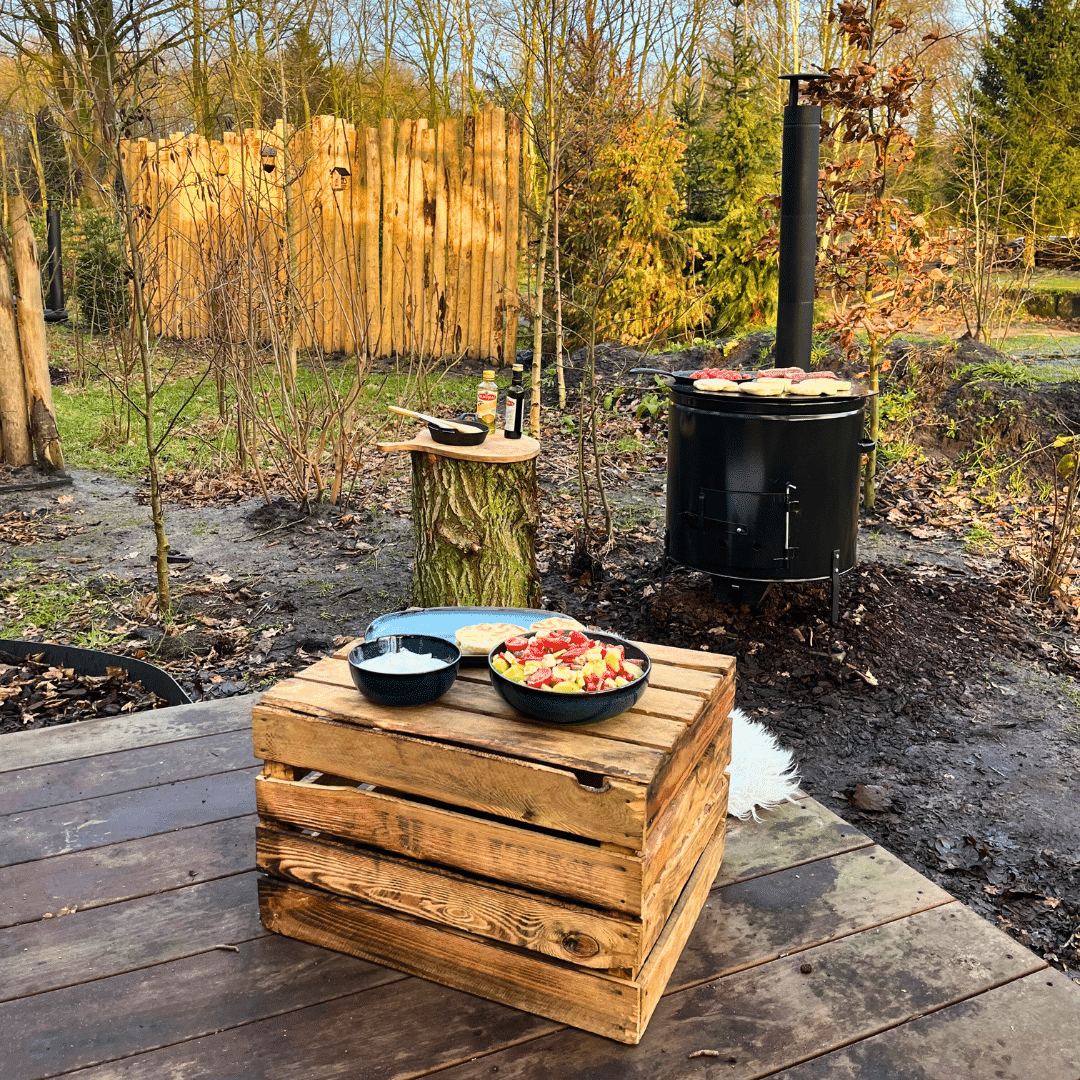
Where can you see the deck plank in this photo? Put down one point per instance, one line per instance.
(126, 770)
(56, 830)
(169, 1003)
(25, 749)
(767, 1017)
(404, 1029)
(791, 834)
(124, 871)
(1026, 1030)
(765, 917)
(105, 941)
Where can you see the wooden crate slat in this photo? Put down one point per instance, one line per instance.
(543, 918)
(541, 924)
(607, 877)
(595, 1001)
(640, 725)
(691, 658)
(552, 745)
(508, 787)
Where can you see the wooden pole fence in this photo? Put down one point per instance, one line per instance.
(400, 239)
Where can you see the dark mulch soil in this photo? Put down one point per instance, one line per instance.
(35, 695)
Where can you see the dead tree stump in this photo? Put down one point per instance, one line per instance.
(475, 514)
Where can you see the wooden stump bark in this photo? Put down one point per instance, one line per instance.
(475, 525)
(14, 420)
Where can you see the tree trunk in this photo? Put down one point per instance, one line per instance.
(14, 424)
(31, 319)
(475, 525)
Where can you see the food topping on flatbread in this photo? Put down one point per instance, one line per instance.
(480, 638)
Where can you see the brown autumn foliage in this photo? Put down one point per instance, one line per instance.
(881, 264)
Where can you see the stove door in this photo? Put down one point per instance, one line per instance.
(743, 533)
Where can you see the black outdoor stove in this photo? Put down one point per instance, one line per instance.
(766, 489)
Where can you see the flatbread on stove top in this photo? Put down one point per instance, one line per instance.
(711, 385)
(765, 387)
(811, 387)
(480, 638)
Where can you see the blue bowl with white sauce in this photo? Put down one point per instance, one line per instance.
(386, 670)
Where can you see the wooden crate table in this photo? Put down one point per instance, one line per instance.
(556, 869)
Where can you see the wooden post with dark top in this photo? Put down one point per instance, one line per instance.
(475, 514)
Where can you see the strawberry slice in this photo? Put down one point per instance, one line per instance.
(517, 644)
(539, 678)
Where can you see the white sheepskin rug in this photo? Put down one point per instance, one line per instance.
(763, 774)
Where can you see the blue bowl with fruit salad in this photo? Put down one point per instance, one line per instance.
(569, 677)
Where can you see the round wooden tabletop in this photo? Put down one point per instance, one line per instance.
(496, 449)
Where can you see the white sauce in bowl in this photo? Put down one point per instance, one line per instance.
(402, 662)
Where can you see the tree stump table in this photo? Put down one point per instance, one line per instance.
(475, 514)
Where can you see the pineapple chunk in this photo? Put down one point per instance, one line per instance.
(500, 665)
(531, 666)
(620, 681)
(515, 672)
(633, 669)
(566, 687)
(613, 660)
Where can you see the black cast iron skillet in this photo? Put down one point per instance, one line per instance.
(443, 433)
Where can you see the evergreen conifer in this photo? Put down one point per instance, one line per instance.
(1026, 101)
(732, 158)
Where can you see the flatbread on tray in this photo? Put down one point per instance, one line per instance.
(480, 638)
(556, 622)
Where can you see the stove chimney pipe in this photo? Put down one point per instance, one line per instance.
(798, 227)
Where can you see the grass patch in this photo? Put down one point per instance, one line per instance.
(102, 431)
(53, 605)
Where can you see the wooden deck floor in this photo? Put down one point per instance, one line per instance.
(818, 954)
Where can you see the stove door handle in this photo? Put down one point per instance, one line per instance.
(866, 446)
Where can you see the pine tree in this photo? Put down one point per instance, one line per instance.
(732, 157)
(1026, 101)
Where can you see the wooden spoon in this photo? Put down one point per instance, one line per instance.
(452, 424)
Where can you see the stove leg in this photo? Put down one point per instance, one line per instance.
(663, 562)
(836, 587)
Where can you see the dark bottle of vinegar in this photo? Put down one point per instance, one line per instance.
(515, 405)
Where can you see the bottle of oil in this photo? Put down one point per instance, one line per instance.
(487, 398)
(515, 405)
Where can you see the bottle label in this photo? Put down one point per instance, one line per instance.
(485, 396)
(511, 422)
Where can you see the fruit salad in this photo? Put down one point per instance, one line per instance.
(566, 662)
